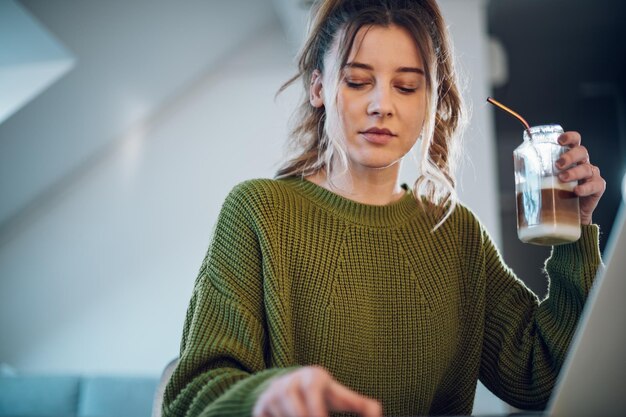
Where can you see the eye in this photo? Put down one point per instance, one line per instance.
(407, 90)
(355, 85)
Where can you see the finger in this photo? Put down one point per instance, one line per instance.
(315, 404)
(269, 403)
(300, 408)
(570, 139)
(578, 154)
(265, 410)
(595, 187)
(313, 391)
(274, 409)
(374, 409)
(341, 398)
(259, 411)
(292, 404)
(260, 408)
(578, 173)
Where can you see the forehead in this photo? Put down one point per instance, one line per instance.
(392, 46)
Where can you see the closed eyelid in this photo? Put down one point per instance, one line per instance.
(361, 78)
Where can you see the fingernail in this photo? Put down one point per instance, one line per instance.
(561, 140)
(563, 176)
(560, 162)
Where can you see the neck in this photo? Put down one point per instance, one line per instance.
(368, 186)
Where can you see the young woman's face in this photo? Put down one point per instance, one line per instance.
(382, 87)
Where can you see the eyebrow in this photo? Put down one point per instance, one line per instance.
(370, 68)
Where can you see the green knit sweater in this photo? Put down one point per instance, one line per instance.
(296, 275)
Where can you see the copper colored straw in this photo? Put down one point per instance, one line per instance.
(511, 112)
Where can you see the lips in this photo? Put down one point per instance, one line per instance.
(379, 136)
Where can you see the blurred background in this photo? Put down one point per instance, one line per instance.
(123, 125)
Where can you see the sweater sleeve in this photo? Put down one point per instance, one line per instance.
(223, 365)
(525, 340)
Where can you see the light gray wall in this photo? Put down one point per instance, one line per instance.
(100, 280)
(478, 182)
(132, 57)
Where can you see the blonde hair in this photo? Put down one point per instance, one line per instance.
(316, 138)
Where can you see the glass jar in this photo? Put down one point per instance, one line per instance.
(547, 209)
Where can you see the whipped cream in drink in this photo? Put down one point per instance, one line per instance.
(548, 213)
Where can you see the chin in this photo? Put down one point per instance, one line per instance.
(377, 163)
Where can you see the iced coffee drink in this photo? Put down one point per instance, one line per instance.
(547, 208)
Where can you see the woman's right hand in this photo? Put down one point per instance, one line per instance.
(311, 392)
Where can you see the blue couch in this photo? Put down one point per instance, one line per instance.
(76, 395)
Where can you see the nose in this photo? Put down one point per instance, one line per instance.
(380, 104)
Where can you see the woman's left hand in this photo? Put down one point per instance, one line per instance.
(591, 185)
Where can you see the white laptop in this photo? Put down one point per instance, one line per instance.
(592, 381)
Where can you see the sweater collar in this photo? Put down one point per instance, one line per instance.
(395, 213)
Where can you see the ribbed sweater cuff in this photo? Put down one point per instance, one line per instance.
(240, 399)
(578, 258)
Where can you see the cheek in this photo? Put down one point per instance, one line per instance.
(349, 109)
(414, 121)
(418, 116)
(420, 123)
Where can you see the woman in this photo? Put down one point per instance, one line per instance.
(335, 289)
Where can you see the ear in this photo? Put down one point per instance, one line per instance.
(316, 97)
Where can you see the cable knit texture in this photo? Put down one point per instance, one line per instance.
(296, 275)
